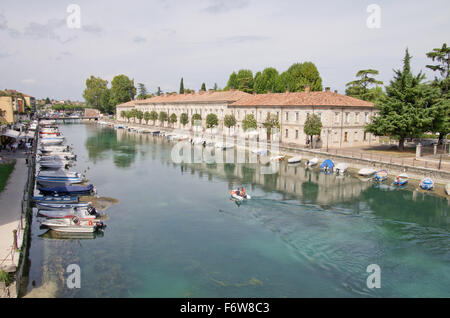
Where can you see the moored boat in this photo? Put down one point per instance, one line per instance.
(73, 225)
(381, 175)
(327, 165)
(238, 195)
(427, 184)
(447, 188)
(82, 214)
(401, 179)
(341, 168)
(68, 190)
(367, 172)
(312, 162)
(54, 164)
(296, 159)
(63, 206)
(55, 199)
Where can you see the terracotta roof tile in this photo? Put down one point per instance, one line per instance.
(131, 103)
(201, 97)
(326, 98)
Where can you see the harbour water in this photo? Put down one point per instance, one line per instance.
(176, 233)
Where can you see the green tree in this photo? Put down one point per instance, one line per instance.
(267, 81)
(173, 118)
(195, 117)
(159, 91)
(122, 90)
(242, 81)
(47, 101)
(95, 87)
(153, 116)
(133, 114)
(123, 114)
(184, 119)
(139, 115)
(212, 121)
(216, 88)
(405, 111)
(105, 102)
(203, 87)
(129, 115)
(361, 88)
(441, 109)
(229, 121)
(270, 123)
(147, 117)
(232, 81)
(249, 122)
(312, 127)
(162, 117)
(181, 86)
(298, 76)
(142, 90)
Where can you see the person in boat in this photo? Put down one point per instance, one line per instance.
(238, 192)
(243, 192)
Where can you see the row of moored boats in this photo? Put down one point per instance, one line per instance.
(60, 189)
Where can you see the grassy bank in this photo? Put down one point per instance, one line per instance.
(5, 171)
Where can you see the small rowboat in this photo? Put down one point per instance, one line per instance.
(86, 214)
(401, 179)
(63, 206)
(367, 172)
(277, 158)
(427, 184)
(235, 196)
(295, 159)
(341, 168)
(381, 175)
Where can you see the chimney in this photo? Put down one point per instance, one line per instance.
(307, 88)
(327, 89)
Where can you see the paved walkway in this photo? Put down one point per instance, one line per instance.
(10, 214)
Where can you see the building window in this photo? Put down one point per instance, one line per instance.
(365, 136)
(287, 116)
(336, 117)
(296, 116)
(347, 116)
(319, 115)
(296, 134)
(346, 137)
(357, 118)
(287, 133)
(366, 118)
(356, 136)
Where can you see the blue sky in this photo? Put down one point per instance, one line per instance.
(158, 42)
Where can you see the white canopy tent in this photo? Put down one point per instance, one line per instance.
(11, 133)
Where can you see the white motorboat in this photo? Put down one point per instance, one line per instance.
(447, 188)
(260, 152)
(198, 141)
(81, 214)
(224, 145)
(63, 206)
(52, 156)
(277, 158)
(51, 141)
(312, 162)
(341, 168)
(234, 194)
(60, 173)
(367, 172)
(45, 149)
(54, 164)
(296, 159)
(73, 225)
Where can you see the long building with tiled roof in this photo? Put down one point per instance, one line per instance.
(343, 117)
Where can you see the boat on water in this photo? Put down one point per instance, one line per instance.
(401, 179)
(82, 214)
(341, 168)
(367, 172)
(238, 195)
(55, 199)
(260, 152)
(312, 162)
(277, 158)
(447, 188)
(327, 165)
(54, 164)
(296, 159)
(54, 182)
(57, 156)
(198, 141)
(427, 184)
(60, 173)
(46, 149)
(381, 175)
(73, 225)
(51, 141)
(224, 145)
(63, 206)
(68, 190)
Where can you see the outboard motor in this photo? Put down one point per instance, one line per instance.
(92, 211)
(100, 225)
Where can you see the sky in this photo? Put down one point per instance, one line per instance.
(156, 42)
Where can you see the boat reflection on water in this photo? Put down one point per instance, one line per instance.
(54, 235)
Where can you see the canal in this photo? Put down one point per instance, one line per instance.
(175, 232)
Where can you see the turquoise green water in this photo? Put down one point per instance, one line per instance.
(175, 232)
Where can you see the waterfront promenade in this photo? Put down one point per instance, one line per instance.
(11, 214)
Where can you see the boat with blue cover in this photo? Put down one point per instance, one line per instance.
(56, 199)
(327, 165)
(427, 184)
(68, 190)
(401, 179)
(63, 206)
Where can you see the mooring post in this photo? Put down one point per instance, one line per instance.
(15, 240)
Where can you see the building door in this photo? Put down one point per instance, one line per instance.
(346, 137)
